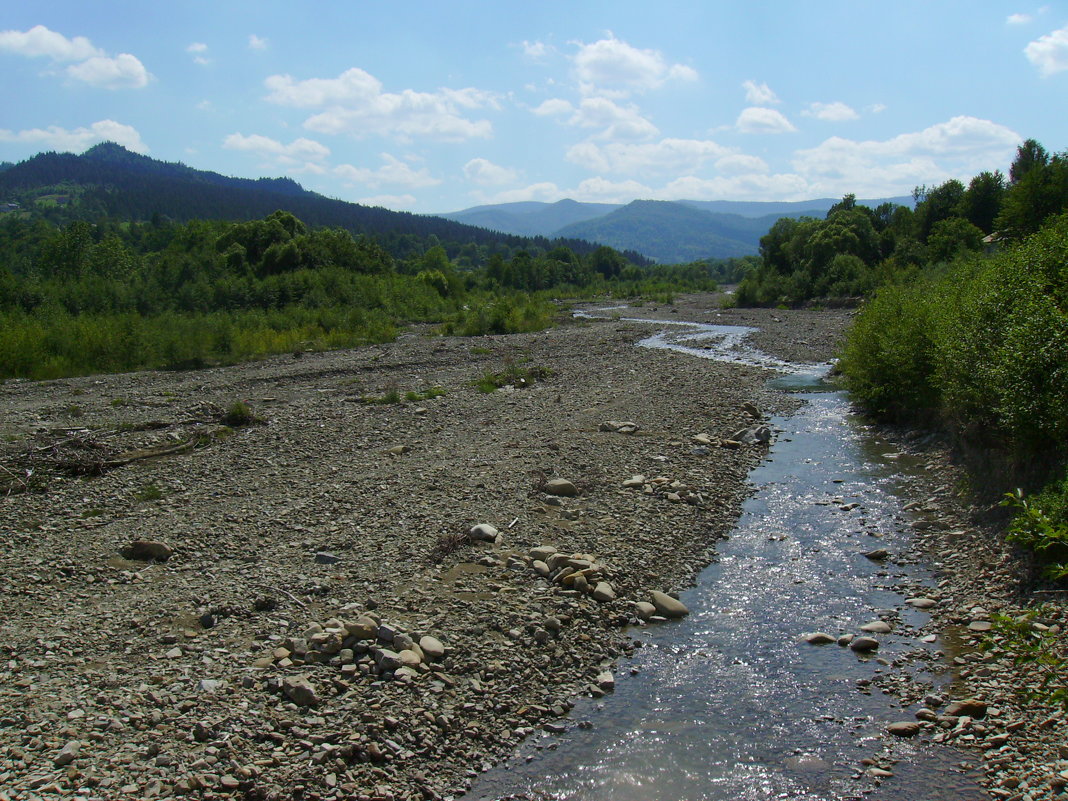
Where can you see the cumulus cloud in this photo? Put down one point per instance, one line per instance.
(959, 147)
(1017, 19)
(612, 65)
(759, 94)
(553, 107)
(392, 172)
(832, 112)
(758, 120)
(485, 173)
(615, 121)
(665, 156)
(354, 103)
(536, 51)
(77, 140)
(300, 155)
(93, 66)
(256, 43)
(1050, 52)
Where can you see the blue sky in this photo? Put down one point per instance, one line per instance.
(438, 106)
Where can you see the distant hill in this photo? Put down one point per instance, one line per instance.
(667, 231)
(109, 180)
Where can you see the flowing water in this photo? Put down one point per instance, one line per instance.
(728, 703)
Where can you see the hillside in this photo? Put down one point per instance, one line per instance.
(531, 218)
(109, 180)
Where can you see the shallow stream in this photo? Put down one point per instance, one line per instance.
(729, 703)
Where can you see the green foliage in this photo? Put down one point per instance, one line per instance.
(149, 492)
(513, 375)
(1037, 647)
(510, 314)
(240, 414)
(1040, 525)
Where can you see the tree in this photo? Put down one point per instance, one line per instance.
(1029, 155)
(982, 200)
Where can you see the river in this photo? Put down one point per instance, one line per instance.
(730, 703)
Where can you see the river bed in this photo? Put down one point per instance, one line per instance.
(730, 702)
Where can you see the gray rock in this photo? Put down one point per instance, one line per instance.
(921, 603)
(971, 707)
(483, 532)
(387, 659)
(363, 628)
(432, 647)
(606, 681)
(634, 482)
(560, 487)
(668, 606)
(644, 609)
(603, 592)
(300, 691)
(148, 551)
(542, 552)
(67, 754)
(540, 568)
(877, 627)
(904, 728)
(326, 558)
(620, 426)
(819, 638)
(878, 555)
(864, 644)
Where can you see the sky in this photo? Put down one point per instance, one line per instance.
(440, 106)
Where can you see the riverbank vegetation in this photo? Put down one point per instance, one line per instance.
(978, 344)
(114, 296)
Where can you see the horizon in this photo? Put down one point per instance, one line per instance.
(456, 107)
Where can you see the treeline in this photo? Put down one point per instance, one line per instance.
(978, 345)
(109, 297)
(855, 249)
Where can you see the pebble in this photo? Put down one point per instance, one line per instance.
(864, 644)
(483, 532)
(148, 551)
(560, 487)
(904, 728)
(819, 638)
(668, 606)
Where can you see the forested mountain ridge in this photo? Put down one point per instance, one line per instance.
(111, 181)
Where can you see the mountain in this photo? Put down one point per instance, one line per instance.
(667, 231)
(109, 180)
(531, 218)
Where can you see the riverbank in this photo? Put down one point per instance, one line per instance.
(262, 653)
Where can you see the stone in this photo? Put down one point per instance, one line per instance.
(921, 603)
(483, 532)
(398, 450)
(326, 558)
(878, 555)
(668, 606)
(755, 435)
(387, 659)
(606, 681)
(363, 628)
(540, 568)
(864, 644)
(560, 487)
(980, 626)
(148, 551)
(904, 728)
(67, 754)
(409, 658)
(300, 691)
(603, 592)
(432, 647)
(634, 482)
(877, 627)
(644, 609)
(620, 426)
(971, 707)
(541, 552)
(819, 638)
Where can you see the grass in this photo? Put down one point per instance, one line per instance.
(149, 492)
(240, 414)
(512, 375)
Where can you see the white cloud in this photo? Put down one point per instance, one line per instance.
(485, 173)
(1050, 52)
(79, 139)
(354, 103)
(748, 186)
(536, 51)
(832, 112)
(665, 156)
(552, 107)
(40, 41)
(389, 201)
(756, 120)
(759, 94)
(613, 65)
(958, 148)
(615, 121)
(877, 108)
(95, 67)
(740, 164)
(256, 43)
(393, 172)
(121, 72)
(198, 50)
(1018, 19)
(300, 155)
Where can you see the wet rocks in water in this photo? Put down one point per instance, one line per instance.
(667, 606)
(877, 627)
(878, 555)
(971, 707)
(864, 644)
(754, 435)
(148, 551)
(904, 728)
(921, 603)
(819, 638)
